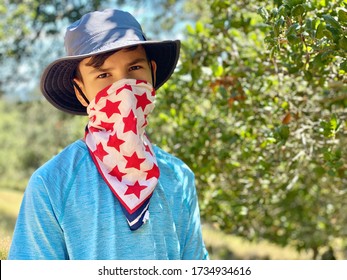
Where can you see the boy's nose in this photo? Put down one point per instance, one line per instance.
(124, 75)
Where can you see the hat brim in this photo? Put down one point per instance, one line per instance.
(56, 80)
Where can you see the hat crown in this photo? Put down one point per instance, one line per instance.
(95, 31)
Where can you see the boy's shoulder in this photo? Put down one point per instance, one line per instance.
(168, 160)
(66, 160)
(175, 175)
(55, 178)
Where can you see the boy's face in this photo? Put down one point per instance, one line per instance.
(123, 64)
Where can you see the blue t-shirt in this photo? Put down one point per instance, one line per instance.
(68, 212)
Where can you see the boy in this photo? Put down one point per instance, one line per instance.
(111, 195)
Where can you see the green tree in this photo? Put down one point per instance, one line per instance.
(11, 143)
(258, 110)
(32, 133)
(30, 36)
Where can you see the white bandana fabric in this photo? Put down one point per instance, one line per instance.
(116, 139)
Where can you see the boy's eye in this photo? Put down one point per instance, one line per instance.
(103, 75)
(135, 67)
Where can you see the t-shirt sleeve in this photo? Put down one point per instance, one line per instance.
(37, 234)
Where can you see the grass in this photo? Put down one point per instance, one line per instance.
(220, 245)
(4, 247)
(227, 247)
(9, 206)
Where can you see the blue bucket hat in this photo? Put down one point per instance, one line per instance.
(95, 33)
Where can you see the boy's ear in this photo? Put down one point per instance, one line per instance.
(77, 83)
(154, 70)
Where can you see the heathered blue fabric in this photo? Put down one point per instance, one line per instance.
(68, 212)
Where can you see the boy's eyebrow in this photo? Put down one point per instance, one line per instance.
(137, 60)
(99, 69)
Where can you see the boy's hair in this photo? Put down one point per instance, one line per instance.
(97, 61)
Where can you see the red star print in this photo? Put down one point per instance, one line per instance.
(134, 161)
(92, 118)
(130, 123)
(115, 142)
(107, 126)
(100, 152)
(101, 94)
(111, 108)
(145, 122)
(93, 129)
(135, 189)
(141, 82)
(153, 173)
(124, 87)
(116, 173)
(147, 149)
(142, 101)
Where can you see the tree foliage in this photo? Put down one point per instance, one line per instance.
(32, 133)
(257, 108)
(25, 22)
(31, 36)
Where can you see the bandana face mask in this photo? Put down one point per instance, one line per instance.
(120, 149)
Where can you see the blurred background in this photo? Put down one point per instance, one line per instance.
(257, 108)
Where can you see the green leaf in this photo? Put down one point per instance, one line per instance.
(327, 55)
(320, 30)
(292, 69)
(196, 73)
(309, 25)
(331, 21)
(281, 133)
(298, 10)
(343, 66)
(283, 11)
(343, 43)
(333, 123)
(293, 3)
(263, 13)
(331, 127)
(292, 29)
(199, 27)
(173, 112)
(268, 141)
(334, 32)
(285, 105)
(190, 30)
(3, 9)
(308, 76)
(327, 33)
(218, 70)
(342, 15)
(277, 26)
(293, 39)
(223, 91)
(222, 4)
